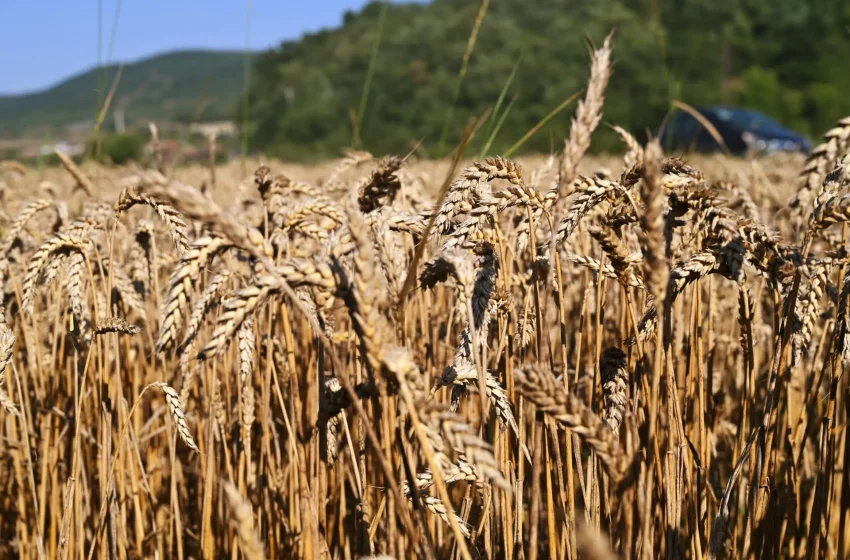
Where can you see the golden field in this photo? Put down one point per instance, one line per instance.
(566, 357)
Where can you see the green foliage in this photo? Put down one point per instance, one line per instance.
(780, 56)
(118, 148)
(761, 90)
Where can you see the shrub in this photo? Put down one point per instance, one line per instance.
(117, 148)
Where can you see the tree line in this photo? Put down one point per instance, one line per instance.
(307, 98)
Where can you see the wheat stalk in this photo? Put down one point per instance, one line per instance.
(168, 214)
(116, 325)
(182, 285)
(550, 397)
(243, 519)
(175, 409)
(7, 342)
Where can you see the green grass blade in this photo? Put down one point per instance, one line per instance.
(490, 132)
(539, 125)
(470, 46)
(498, 127)
(367, 84)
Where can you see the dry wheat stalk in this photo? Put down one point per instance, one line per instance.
(469, 188)
(7, 342)
(806, 310)
(116, 325)
(652, 223)
(123, 286)
(271, 188)
(77, 293)
(589, 262)
(202, 306)
(461, 437)
(616, 252)
(725, 263)
(16, 227)
(82, 181)
(436, 507)
(182, 285)
(612, 368)
(364, 295)
(843, 332)
(140, 257)
(351, 160)
(648, 324)
(454, 262)
(833, 210)
(462, 373)
(194, 205)
(169, 215)
(683, 417)
(243, 519)
(819, 162)
(297, 214)
(382, 187)
(245, 337)
(634, 151)
(59, 243)
(589, 193)
(235, 311)
(550, 397)
(175, 409)
(588, 114)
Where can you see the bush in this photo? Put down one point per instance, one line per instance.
(118, 148)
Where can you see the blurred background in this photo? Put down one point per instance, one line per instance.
(304, 80)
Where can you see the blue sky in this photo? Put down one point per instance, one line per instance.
(45, 41)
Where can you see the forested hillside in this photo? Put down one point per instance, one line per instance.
(178, 86)
(785, 57)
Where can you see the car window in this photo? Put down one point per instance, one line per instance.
(748, 120)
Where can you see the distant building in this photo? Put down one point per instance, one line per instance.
(217, 128)
(70, 149)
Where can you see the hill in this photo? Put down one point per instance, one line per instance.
(177, 86)
(778, 57)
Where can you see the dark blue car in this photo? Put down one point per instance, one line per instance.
(742, 130)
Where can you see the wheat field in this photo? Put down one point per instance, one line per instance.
(562, 357)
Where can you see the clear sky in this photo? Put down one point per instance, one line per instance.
(45, 41)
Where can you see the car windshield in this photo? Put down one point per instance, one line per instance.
(748, 120)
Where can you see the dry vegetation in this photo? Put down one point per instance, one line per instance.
(572, 358)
